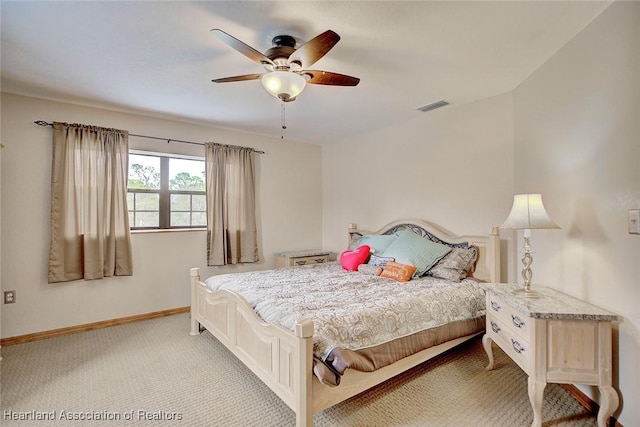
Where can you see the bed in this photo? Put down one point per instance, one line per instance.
(287, 356)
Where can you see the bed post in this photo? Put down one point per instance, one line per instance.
(494, 255)
(195, 325)
(304, 398)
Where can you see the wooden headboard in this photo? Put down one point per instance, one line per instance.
(488, 263)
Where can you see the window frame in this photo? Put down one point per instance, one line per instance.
(165, 193)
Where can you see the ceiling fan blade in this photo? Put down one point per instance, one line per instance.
(241, 47)
(310, 52)
(328, 78)
(237, 78)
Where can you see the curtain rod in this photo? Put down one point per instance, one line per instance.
(44, 123)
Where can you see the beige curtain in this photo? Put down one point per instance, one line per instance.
(90, 236)
(231, 208)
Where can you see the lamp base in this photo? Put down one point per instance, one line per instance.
(526, 292)
(529, 293)
(527, 259)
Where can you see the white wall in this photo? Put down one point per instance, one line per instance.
(577, 141)
(451, 166)
(289, 200)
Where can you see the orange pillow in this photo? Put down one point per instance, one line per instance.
(396, 271)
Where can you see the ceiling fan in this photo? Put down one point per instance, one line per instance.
(286, 67)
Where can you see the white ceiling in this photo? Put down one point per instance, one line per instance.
(158, 57)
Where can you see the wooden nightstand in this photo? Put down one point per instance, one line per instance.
(288, 259)
(555, 339)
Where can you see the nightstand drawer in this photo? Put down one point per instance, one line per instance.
(316, 259)
(511, 342)
(516, 320)
(290, 259)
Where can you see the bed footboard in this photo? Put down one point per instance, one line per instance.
(280, 358)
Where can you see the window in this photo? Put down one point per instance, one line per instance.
(166, 191)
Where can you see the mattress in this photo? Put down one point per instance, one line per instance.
(361, 321)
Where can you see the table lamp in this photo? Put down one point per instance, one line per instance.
(528, 213)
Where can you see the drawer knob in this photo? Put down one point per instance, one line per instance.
(495, 327)
(517, 321)
(517, 346)
(495, 306)
(301, 262)
(319, 260)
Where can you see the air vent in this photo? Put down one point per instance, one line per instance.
(433, 106)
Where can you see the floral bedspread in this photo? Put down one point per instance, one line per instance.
(350, 309)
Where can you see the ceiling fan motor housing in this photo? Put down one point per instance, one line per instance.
(283, 40)
(283, 47)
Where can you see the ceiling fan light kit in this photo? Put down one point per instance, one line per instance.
(286, 73)
(284, 85)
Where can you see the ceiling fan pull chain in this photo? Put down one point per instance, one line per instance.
(282, 119)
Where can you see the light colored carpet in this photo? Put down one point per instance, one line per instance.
(154, 369)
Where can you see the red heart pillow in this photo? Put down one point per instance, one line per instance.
(350, 260)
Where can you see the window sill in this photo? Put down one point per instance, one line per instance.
(166, 230)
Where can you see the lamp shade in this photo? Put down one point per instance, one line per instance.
(284, 85)
(528, 212)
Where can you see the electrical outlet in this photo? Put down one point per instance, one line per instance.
(9, 297)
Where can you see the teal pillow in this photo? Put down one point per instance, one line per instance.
(377, 242)
(409, 248)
